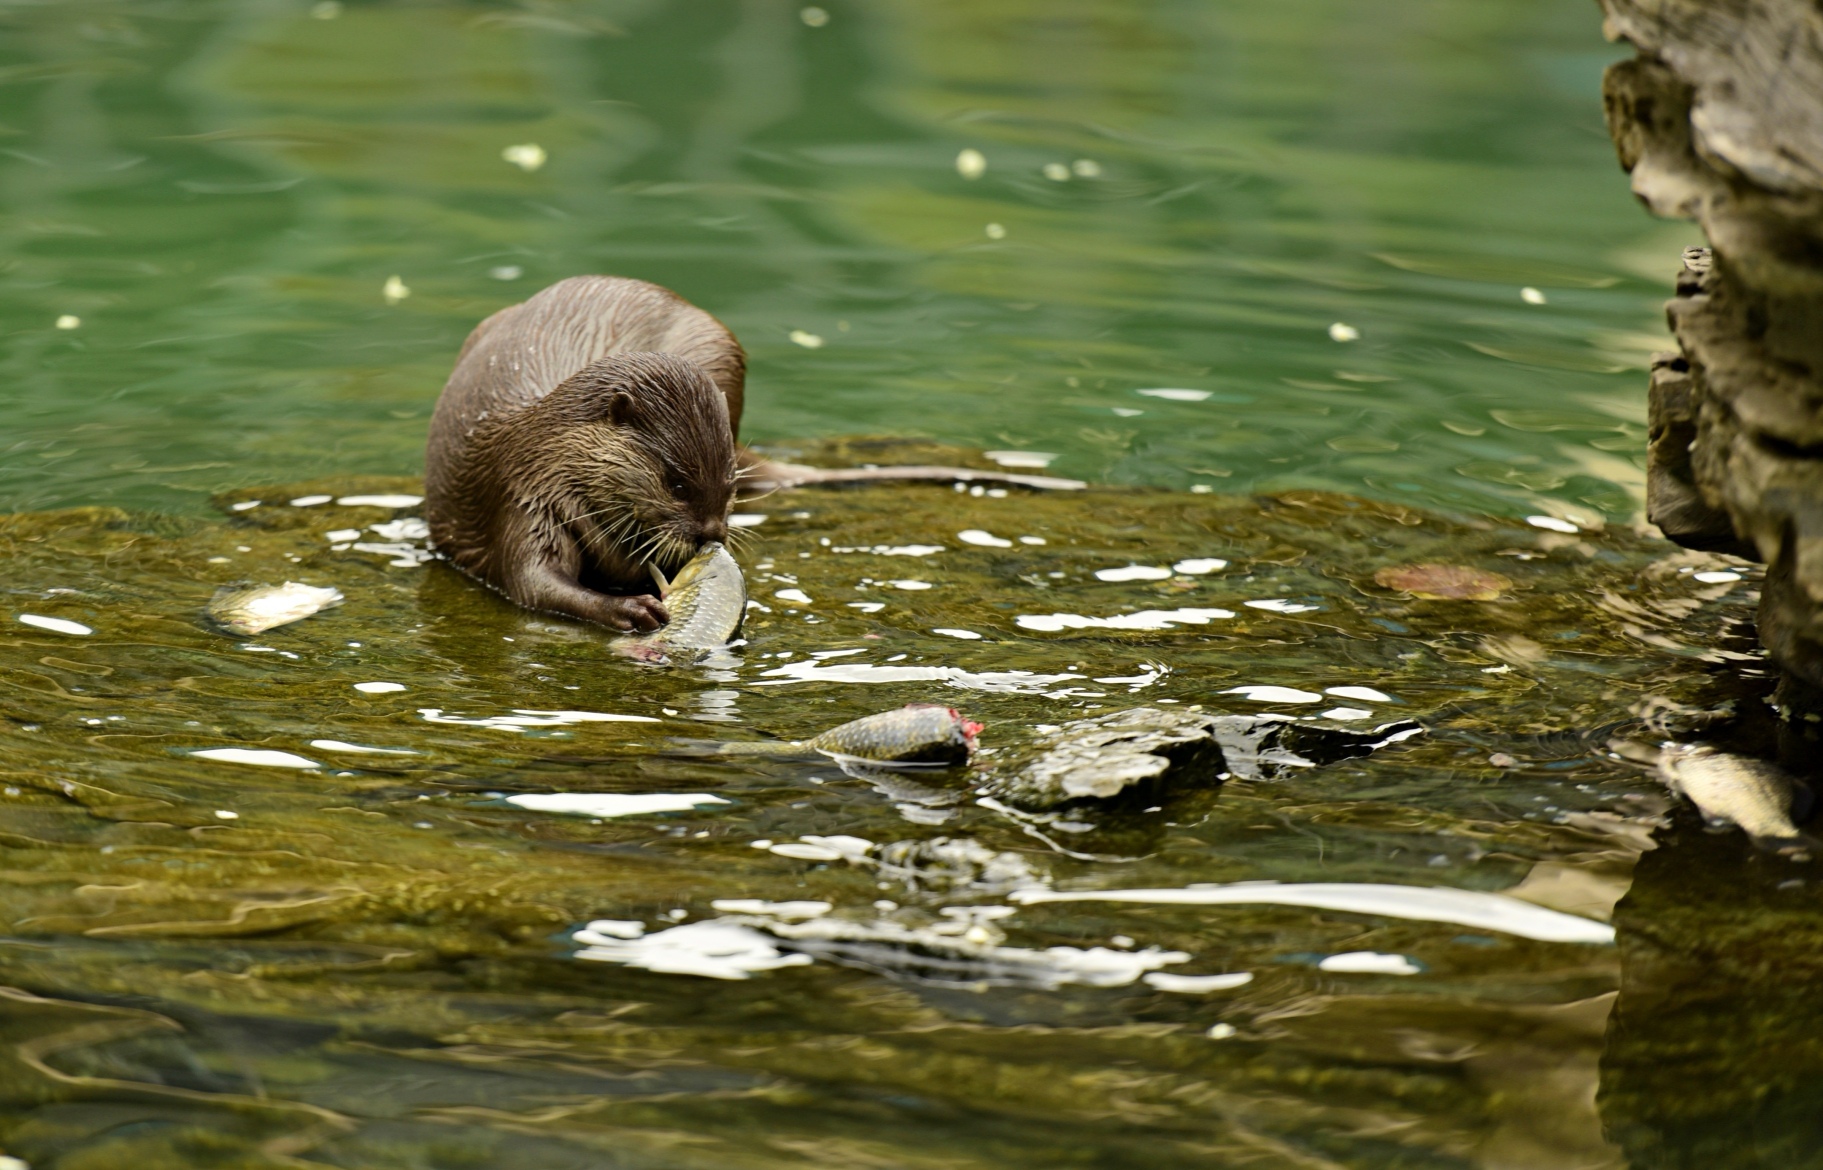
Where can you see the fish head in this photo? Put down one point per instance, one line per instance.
(968, 729)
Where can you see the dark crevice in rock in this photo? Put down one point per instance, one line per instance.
(1720, 120)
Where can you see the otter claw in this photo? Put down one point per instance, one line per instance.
(640, 614)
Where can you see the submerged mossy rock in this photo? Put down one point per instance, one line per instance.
(1143, 751)
(1720, 120)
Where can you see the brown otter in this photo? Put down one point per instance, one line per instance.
(588, 435)
(584, 435)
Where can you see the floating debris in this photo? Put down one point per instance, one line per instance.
(394, 290)
(807, 340)
(1435, 582)
(971, 164)
(69, 321)
(995, 231)
(1086, 168)
(255, 609)
(1341, 332)
(813, 17)
(1532, 296)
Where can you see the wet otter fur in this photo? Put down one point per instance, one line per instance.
(584, 435)
(587, 435)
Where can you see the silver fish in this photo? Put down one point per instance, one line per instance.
(917, 734)
(254, 609)
(1759, 797)
(707, 600)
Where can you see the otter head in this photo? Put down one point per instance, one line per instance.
(647, 455)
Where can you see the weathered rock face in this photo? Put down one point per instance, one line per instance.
(1720, 120)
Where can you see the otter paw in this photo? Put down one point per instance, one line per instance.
(638, 614)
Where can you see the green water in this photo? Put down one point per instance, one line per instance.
(370, 961)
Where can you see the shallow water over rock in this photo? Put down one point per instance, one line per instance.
(347, 943)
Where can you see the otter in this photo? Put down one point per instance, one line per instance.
(587, 437)
(584, 437)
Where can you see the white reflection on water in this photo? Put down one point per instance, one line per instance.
(55, 625)
(1133, 573)
(613, 804)
(1145, 619)
(1270, 694)
(1481, 911)
(1370, 963)
(714, 949)
(1021, 682)
(1198, 984)
(522, 718)
(1280, 605)
(259, 757)
(336, 745)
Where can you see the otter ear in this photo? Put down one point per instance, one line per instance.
(619, 409)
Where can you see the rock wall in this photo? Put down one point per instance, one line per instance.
(1719, 119)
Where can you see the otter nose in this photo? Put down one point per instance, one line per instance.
(715, 529)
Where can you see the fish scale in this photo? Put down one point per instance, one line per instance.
(707, 600)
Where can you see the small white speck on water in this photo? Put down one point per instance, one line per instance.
(1532, 296)
(394, 290)
(527, 156)
(813, 16)
(971, 164)
(69, 321)
(995, 231)
(1341, 332)
(807, 340)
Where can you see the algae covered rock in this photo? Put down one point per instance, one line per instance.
(1141, 751)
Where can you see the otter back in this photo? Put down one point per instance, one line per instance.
(524, 351)
(582, 435)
